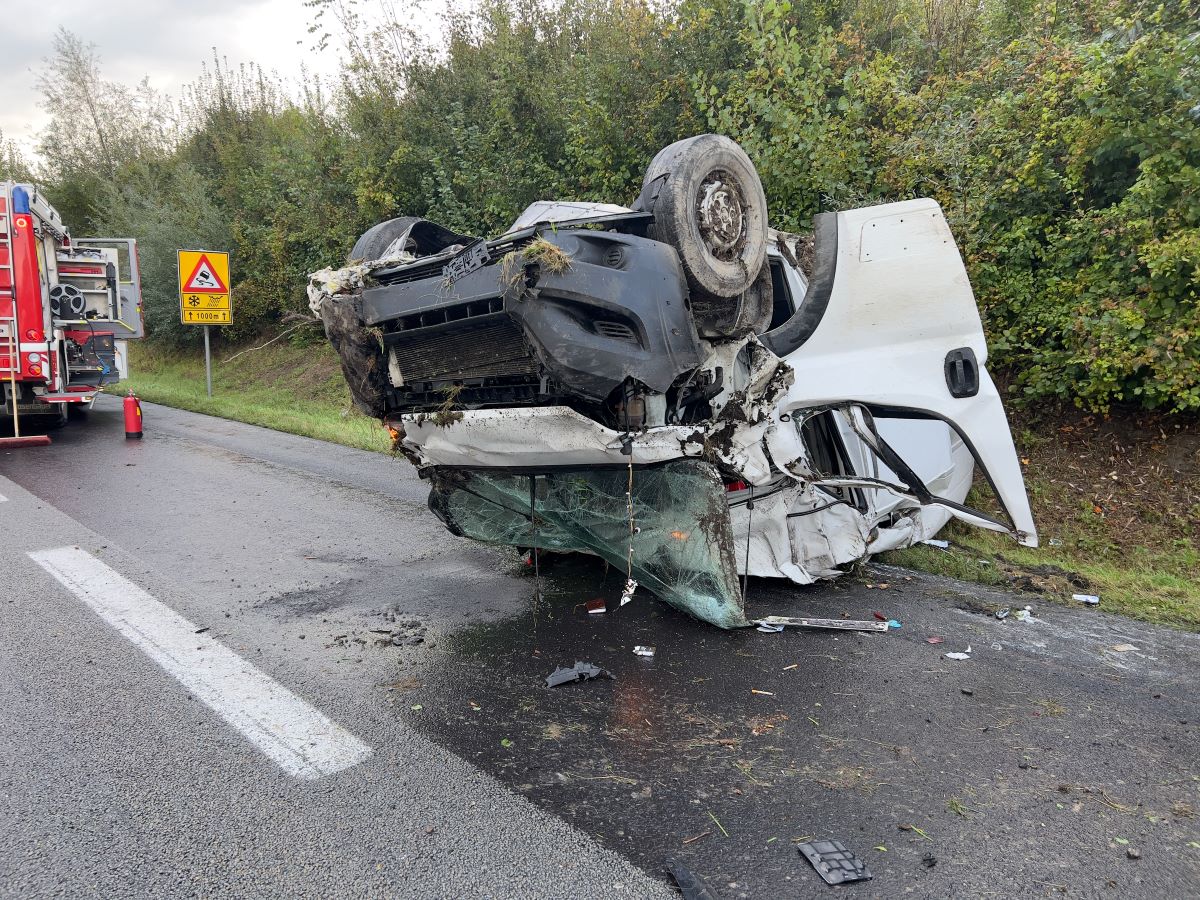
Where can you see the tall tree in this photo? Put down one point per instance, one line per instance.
(97, 127)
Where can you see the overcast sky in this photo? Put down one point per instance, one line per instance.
(166, 40)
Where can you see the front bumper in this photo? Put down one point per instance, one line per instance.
(517, 331)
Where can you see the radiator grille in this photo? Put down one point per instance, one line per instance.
(490, 349)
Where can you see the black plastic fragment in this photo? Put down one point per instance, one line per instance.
(834, 862)
(691, 885)
(581, 671)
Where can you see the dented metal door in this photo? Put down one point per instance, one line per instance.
(899, 335)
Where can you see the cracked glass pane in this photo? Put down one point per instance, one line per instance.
(682, 544)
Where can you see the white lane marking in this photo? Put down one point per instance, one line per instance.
(287, 729)
(3, 499)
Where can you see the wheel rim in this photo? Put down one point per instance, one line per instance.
(721, 215)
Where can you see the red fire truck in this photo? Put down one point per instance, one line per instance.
(67, 309)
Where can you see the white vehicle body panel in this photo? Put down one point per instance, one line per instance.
(901, 301)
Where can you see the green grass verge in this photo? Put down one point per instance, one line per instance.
(299, 390)
(1154, 584)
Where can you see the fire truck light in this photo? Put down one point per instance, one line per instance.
(33, 334)
(35, 370)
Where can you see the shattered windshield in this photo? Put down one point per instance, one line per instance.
(682, 543)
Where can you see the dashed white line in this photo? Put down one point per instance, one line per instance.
(302, 740)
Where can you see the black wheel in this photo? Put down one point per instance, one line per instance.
(376, 239)
(708, 203)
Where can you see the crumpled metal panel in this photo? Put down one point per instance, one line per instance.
(682, 544)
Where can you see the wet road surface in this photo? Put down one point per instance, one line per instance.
(1047, 764)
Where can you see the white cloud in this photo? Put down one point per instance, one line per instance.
(164, 40)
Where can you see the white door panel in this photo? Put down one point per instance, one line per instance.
(900, 303)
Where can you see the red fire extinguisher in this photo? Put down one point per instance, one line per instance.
(133, 417)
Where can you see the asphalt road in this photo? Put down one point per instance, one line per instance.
(1048, 764)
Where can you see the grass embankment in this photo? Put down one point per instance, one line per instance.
(1117, 506)
(1117, 502)
(297, 389)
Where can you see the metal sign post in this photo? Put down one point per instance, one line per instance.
(207, 361)
(204, 297)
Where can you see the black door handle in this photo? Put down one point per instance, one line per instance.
(962, 372)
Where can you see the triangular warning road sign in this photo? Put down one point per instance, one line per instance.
(204, 279)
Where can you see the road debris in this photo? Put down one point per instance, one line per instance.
(717, 822)
(597, 607)
(1003, 613)
(627, 594)
(941, 545)
(1086, 599)
(1025, 615)
(934, 640)
(761, 693)
(1122, 648)
(834, 862)
(966, 654)
(697, 837)
(691, 885)
(641, 650)
(581, 671)
(778, 623)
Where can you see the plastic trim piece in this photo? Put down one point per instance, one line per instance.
(804, 321)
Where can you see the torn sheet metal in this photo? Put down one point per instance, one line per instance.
(682, 543)
(558, 436)
(781, 622)
(835, 442)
